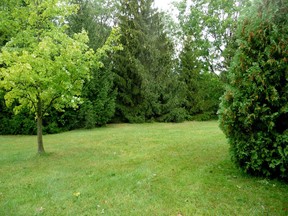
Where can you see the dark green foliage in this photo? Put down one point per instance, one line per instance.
(22, 123)
(17, 124)
(147, 86)
(99, 103)
(128, 81)
(202, 88)
(98, 107)
(176, 115)
(95, 16)
(130, 66)
(254, 108)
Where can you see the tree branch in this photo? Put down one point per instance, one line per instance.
(51, 103)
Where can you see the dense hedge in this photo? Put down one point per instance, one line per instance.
(254, 108)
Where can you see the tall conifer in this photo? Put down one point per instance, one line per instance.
(147, 86)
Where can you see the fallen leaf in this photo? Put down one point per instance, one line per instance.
(76, 194)
(41, 209)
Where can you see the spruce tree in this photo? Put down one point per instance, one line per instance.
(147, 87)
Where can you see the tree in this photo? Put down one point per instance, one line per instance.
(209, 27)
(147, 87)
(207, 33)
(7, 26)
(10, 124)
(254, 111)
(202, 88)
(95, 16)
(42, 65)
(98, 107)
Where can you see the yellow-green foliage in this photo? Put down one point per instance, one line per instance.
(42, 63)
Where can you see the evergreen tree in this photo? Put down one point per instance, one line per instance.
(254, 112)
(202, 88)
(147, 87)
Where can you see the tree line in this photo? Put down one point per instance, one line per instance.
(144, 81)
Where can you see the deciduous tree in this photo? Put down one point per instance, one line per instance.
(42, 65)
(207, 31)
(209, 26)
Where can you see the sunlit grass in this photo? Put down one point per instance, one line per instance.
(140, 169)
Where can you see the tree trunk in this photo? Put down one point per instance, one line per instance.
(39, 128)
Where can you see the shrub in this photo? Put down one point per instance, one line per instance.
(254, 108)
(176, 115)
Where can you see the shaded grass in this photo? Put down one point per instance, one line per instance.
(141, 169)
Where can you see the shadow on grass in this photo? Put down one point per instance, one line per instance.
(44, 155)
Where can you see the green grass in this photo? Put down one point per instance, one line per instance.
(140, 169)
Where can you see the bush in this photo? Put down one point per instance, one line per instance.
(176, 115)
(254, 108)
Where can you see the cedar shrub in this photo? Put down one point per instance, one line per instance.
(254, 109)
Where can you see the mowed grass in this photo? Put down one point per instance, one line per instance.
(140, 169)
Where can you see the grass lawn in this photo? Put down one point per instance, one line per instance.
(140, 169)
